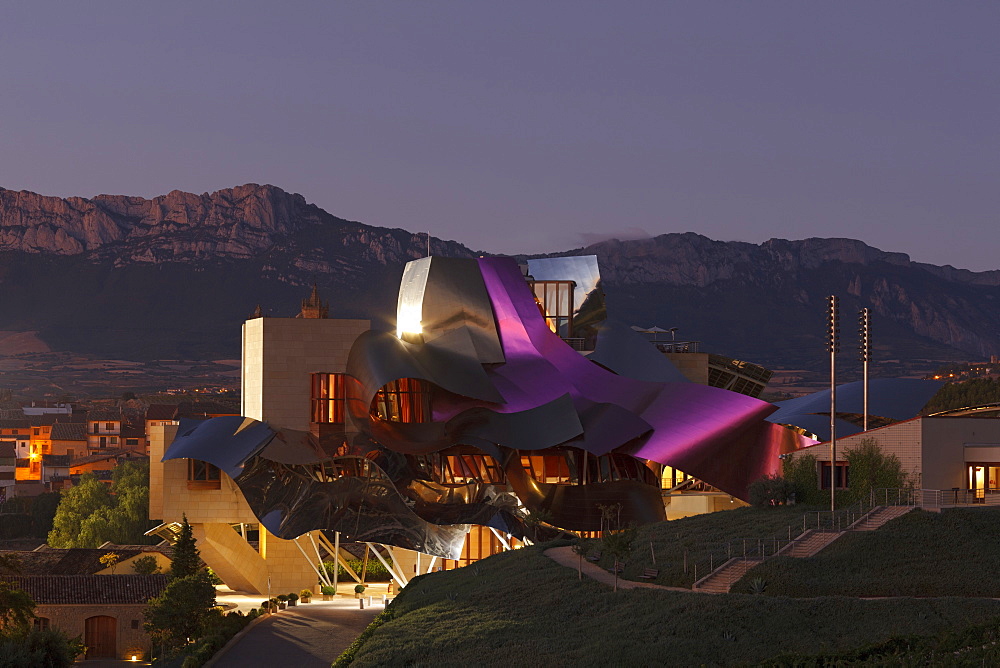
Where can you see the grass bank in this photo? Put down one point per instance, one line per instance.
(919, 554)
(699, 536)
(522, 608)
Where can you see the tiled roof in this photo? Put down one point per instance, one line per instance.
(199, 410)
(45, 419)
(161, 412)
(90, 589)
(7, 450)
(118, 454)
(69, 431)
(104, 416)
(73, 561)
(55, 460)
(14, 419)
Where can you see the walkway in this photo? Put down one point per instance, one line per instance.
(308, 635)
(565, 556)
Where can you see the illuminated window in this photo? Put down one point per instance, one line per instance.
(328, 398)
(405, 400)
(555, 299)
(461, 469)
(202, 475)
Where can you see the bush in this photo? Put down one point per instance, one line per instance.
(802, 474)
(327, 590)
(770, 490)
(29, 649)
(376, 571)
(870, 469)
(146, 565)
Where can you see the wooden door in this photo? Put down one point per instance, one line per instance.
(99, 636)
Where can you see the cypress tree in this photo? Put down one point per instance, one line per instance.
(187, 560)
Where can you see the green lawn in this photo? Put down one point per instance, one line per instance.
(952, 553)
(520, 608)
(703, 535)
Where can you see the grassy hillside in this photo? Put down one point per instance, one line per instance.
(705, 536)
(521, 608)
(918, 554)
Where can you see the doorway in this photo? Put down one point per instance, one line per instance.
(100, 637)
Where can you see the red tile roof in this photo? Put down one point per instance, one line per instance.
(89, 589)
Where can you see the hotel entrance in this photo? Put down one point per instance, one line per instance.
(983, 478)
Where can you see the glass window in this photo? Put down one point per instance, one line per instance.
(842, 479)
(202, 475)
(406, 400)
(328, 398)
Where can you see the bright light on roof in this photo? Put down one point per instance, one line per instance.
(408, 320)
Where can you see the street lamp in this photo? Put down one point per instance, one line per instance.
(865, 350)
(833, 347)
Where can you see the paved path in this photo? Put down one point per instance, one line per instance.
(304, 636)
(565, 556)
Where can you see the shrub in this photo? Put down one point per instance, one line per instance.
(801, 473)
(872, 469)
(327, 590)
(305, 594)
(146, 565)
(770, 490)
(359, 589)
(292, 597)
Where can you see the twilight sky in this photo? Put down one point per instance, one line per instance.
(529, 126)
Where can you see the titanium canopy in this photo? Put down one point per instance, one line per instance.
(892, 398)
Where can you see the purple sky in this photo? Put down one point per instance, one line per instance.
(533, 126)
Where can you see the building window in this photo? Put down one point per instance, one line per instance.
(202, 475)
(109, 426)
(842, 473)
(131, 441)
(113, 440)
(36, 431)
(41, 623)
(405, 400)
(135, 624)
(328, 398)
(103, 443)
(461, 469)
(555, 300)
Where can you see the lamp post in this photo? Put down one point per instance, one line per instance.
(865, 349)
(833, 347)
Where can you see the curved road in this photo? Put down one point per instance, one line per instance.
(304, 636)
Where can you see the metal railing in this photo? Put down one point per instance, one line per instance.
(935, 499)
(814, 520)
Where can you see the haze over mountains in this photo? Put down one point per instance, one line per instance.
(174, 276)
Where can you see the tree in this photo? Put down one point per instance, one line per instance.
(619, 546)
(16, 609)
(800, 471)
(110, 560)
(146, 565)
(180, 612)
(770, 490)
(186, 560)
(76, 506)
(870, 469)
(90, 515)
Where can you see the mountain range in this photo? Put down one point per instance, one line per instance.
(174, 276)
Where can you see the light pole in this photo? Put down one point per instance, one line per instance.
(865, 349)
(833, 347)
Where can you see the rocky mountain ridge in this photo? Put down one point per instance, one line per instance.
(154, 277)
